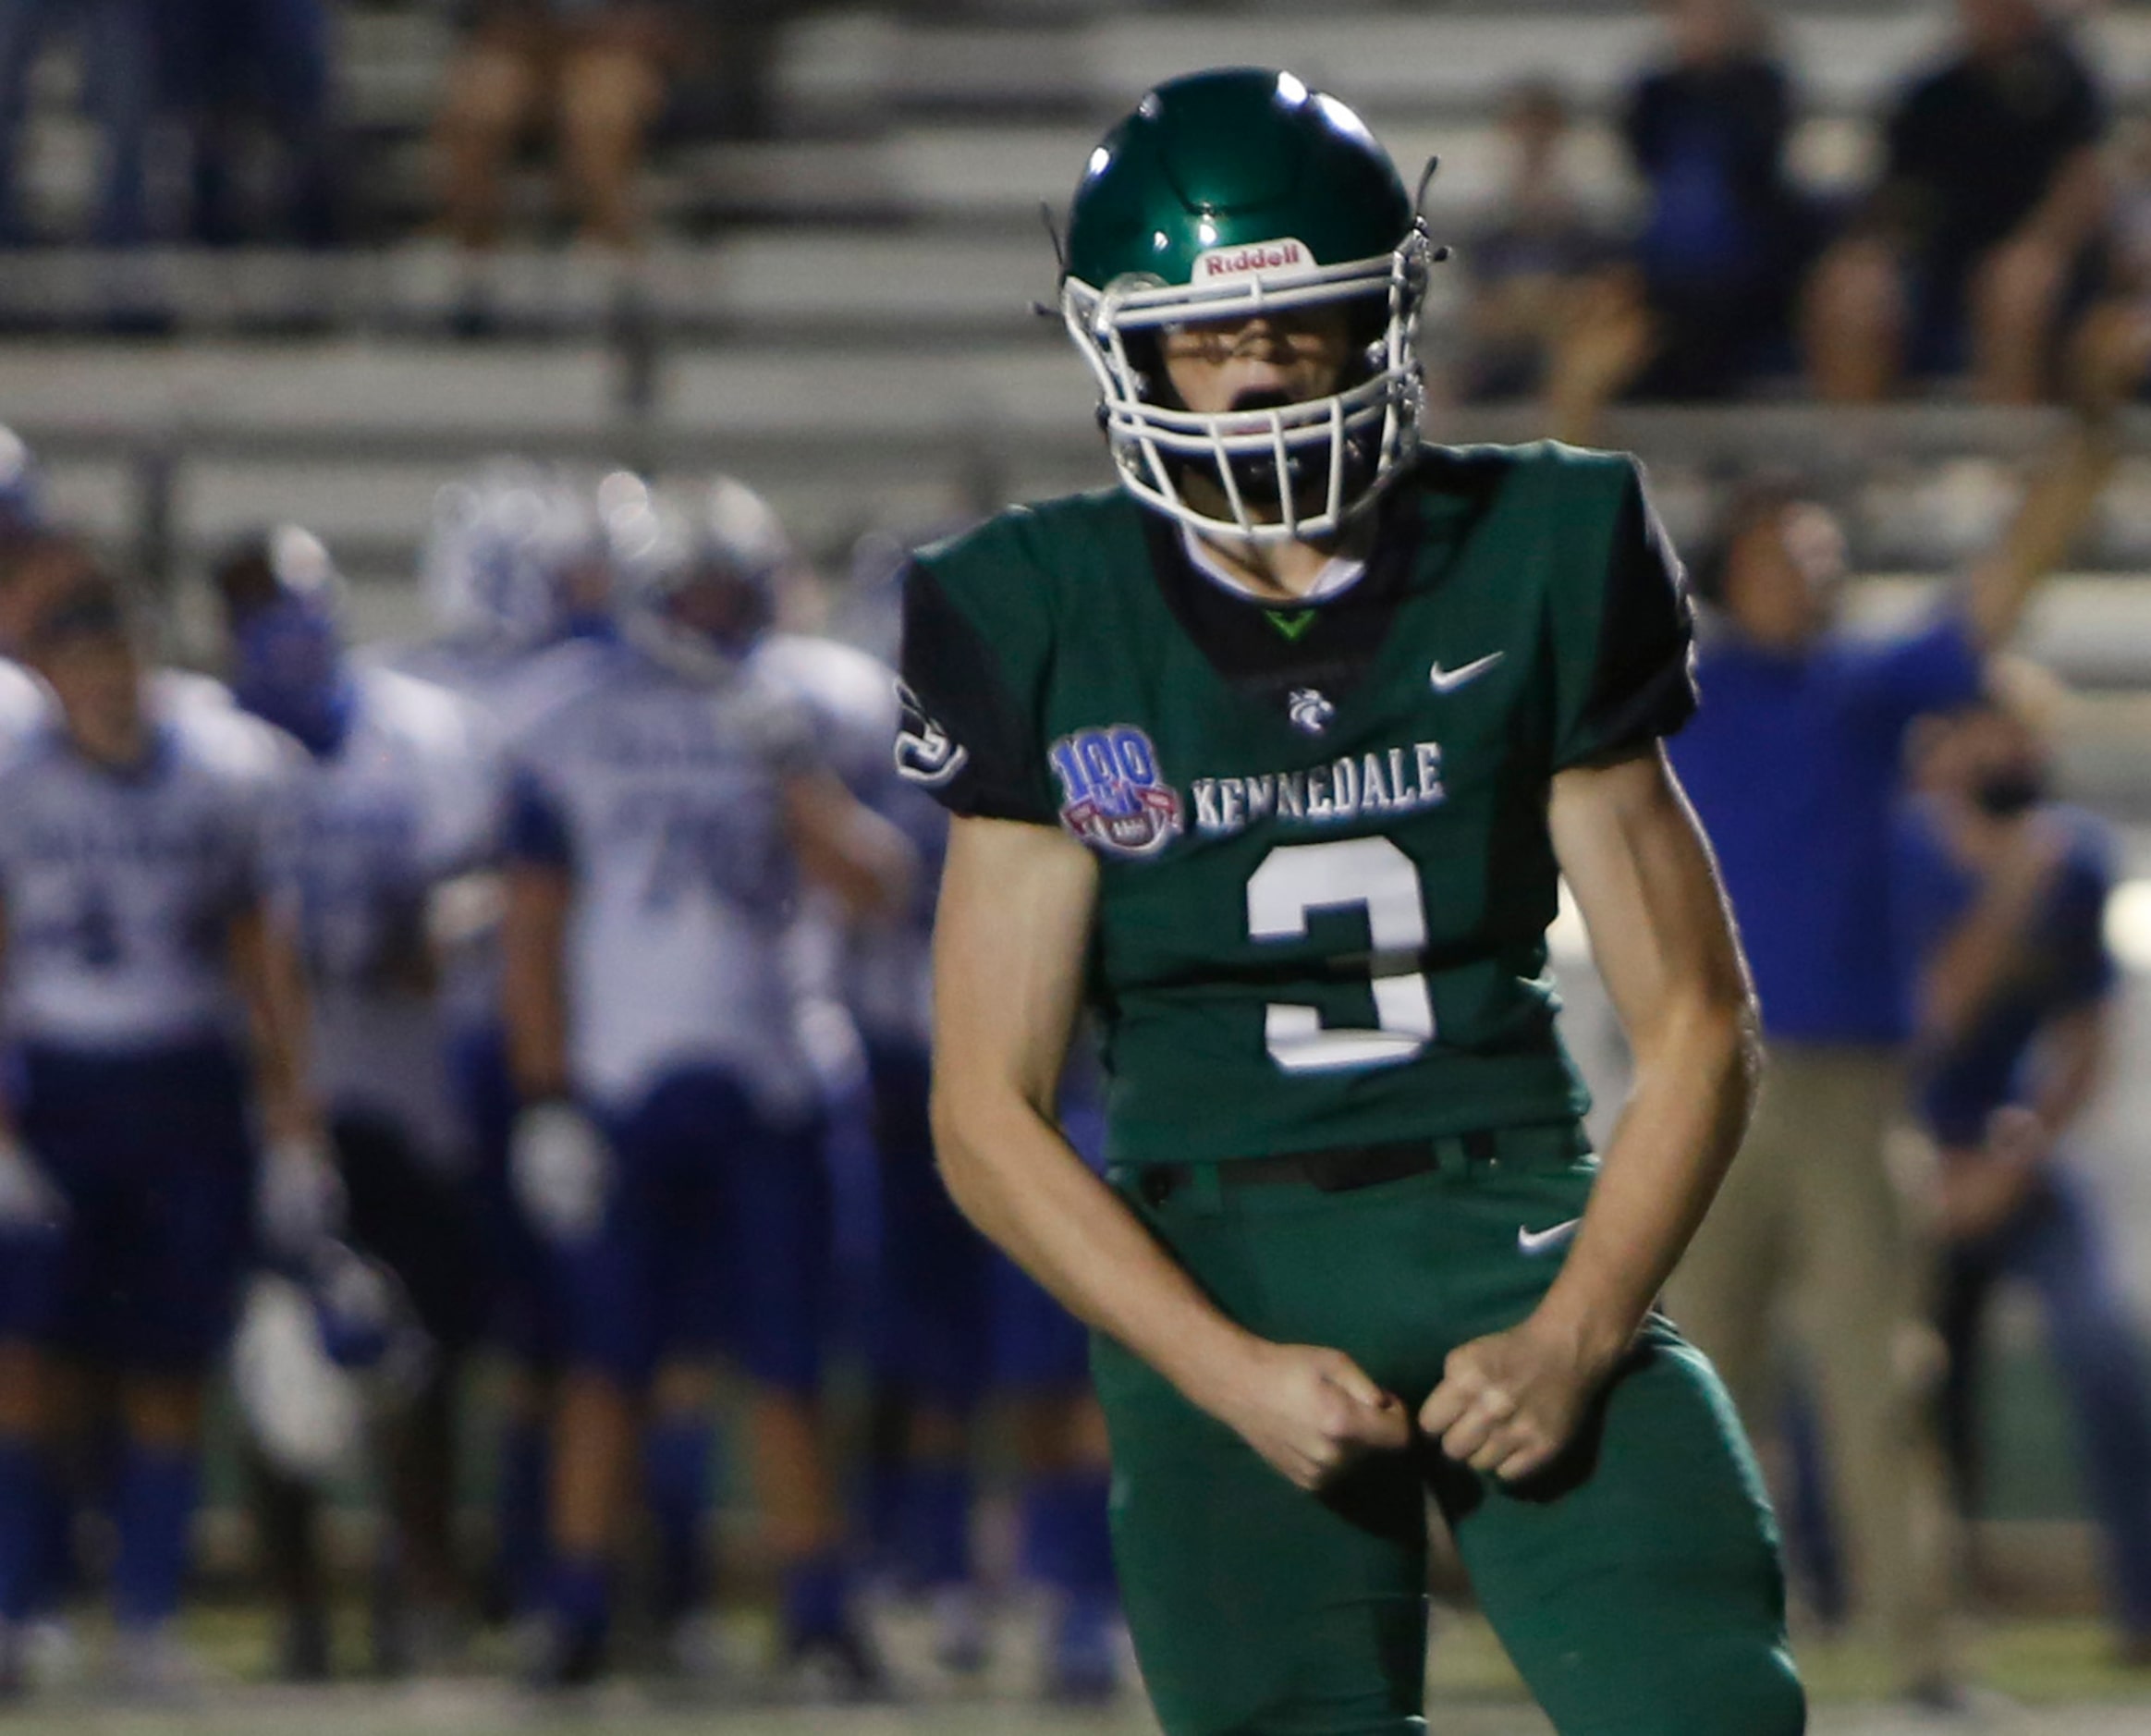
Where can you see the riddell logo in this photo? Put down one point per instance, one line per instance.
(1257, 257)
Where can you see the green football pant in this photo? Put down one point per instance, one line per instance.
(1635, 1583)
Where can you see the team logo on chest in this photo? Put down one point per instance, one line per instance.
(1113, 796)
(1311, 713)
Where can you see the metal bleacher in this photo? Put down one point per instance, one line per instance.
(839, 307)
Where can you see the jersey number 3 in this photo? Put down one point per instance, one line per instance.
(1298, 879)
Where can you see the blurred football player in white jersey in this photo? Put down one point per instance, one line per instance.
(513, 574)
(954, 1320)
(159, 1102)
(34, 557)
(665, 816)
(395, 799)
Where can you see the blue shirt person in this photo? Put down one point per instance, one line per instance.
(1793, 763)
(2002, 899)
(1727, 236)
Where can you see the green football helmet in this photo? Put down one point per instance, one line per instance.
(1228, 193)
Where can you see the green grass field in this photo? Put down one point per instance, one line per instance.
(2046, 1679)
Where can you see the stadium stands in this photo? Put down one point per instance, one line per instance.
(842, 307)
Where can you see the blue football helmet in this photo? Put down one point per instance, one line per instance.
(283, 599)
(325, 1348)
(700, 579)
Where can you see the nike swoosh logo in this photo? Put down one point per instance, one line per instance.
(1529, 1241)
(1447, 681)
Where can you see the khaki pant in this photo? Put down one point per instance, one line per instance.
(1812, 1235)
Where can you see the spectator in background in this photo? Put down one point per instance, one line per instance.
(2002, 899)
(1727, 238)
(2129, 249)
(119, 44)
(1984, 231)
(1527, 268)
(1793, 764)
(594, 70)
(232, 68)
(2125, 288)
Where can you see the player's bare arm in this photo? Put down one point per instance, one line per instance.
(2075, 1046)
(1015, 921)
(26, 1196)
(846, 848)
(299, 1195)
(533, 993)
(2066, 485)
(1663, 938)
(265, 967)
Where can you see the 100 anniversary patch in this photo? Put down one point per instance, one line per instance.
(1113, 796)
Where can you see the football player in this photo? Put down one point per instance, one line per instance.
(392, 804)
(495, 571)
(952, 1318)
(1273, 756)
(666, 812)
(140, 959)
(34, 557)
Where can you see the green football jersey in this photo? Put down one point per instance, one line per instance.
(1325, 877)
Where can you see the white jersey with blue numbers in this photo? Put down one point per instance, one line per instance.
(885, 968)
(502, 690)
(505, 686)
(662, 798)
(408, 801)
(119, 887)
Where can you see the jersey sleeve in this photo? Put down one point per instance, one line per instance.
(2075, 927)
(469, 789)
(1938, 666)
(1623, 629)
(1928, 896)
(787, 732)
(970, 733)
(457, 783)
(537, 831)
(258, 771)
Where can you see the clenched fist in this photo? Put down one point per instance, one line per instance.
(1508, 1403)
(1310, 1411)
